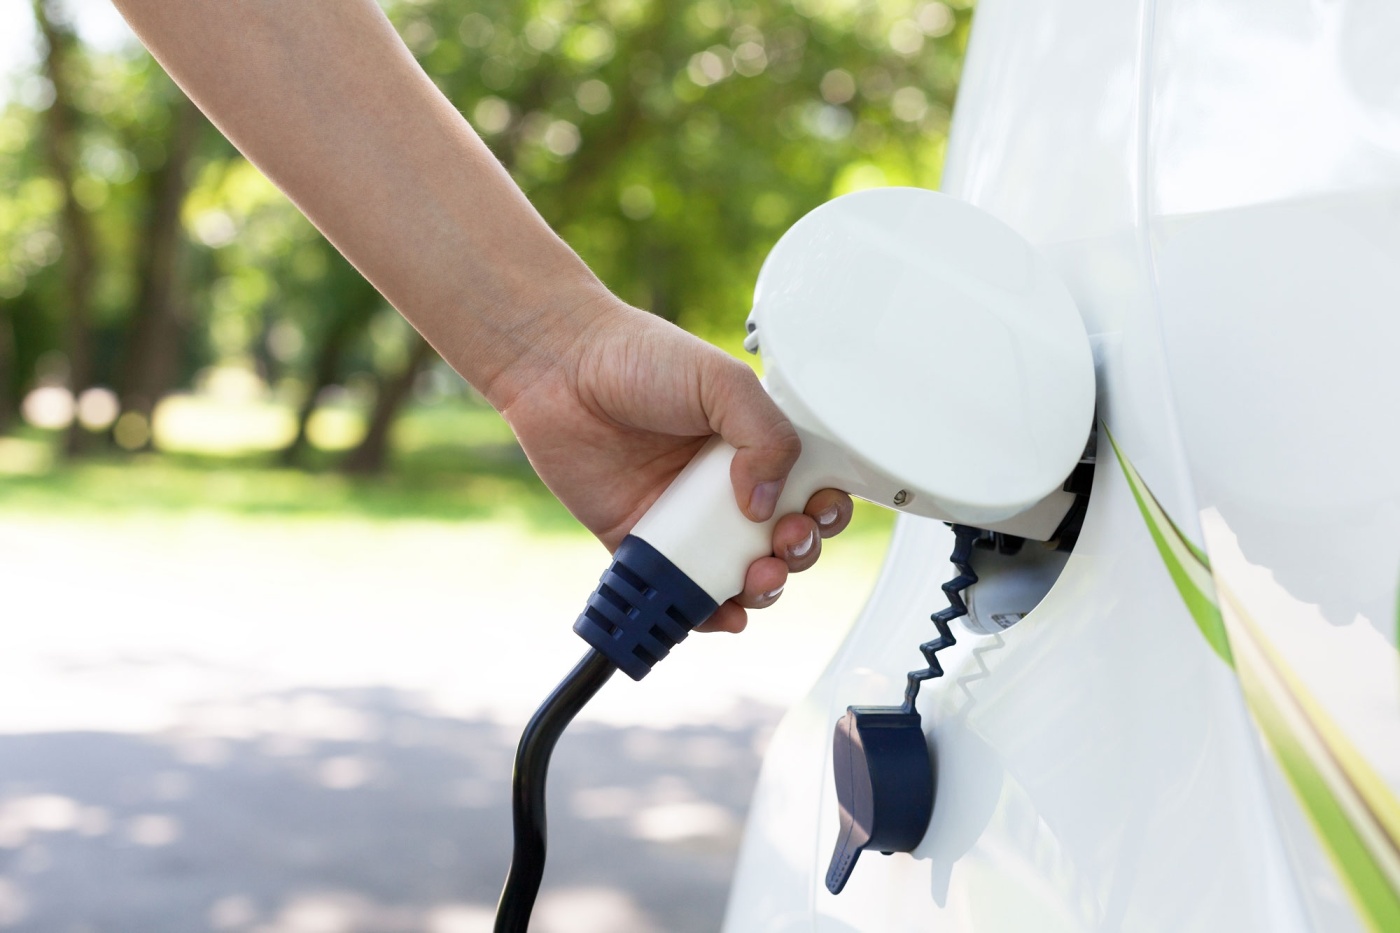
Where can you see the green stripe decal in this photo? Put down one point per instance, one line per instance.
(1350, 806)
(1187, 563)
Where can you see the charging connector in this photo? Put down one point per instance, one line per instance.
(643, 607)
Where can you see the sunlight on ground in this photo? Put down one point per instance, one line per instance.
(22, 457)
(286, 702)
(190, 424)
(201, 424)
(335, 428)
(142, 623)
(567, 910)
(235, 414)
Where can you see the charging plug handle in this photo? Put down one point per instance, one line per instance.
(643, 607)
(686, 555)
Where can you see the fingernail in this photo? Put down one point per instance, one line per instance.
(772, 594)
(801, 549)
(765, 499)
(829, 516)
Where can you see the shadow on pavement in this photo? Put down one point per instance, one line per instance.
(357, 812)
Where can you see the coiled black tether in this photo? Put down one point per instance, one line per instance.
(965, 537)
(528, 787)
(881, 761)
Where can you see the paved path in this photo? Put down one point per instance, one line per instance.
(402, 824)
(211, 723)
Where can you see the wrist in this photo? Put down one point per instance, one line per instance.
(539, 333)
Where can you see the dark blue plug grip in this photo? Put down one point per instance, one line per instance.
(643, 607)
(884, 785)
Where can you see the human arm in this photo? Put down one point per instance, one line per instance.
(607, 401)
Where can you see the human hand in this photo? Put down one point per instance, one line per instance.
(611, 411)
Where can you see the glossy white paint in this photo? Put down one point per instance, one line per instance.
(1275, 225)
(1219, 183)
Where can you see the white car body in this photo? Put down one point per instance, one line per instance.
(1198, 728)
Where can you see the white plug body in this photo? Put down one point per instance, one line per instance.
(698, 525)
(932, 362)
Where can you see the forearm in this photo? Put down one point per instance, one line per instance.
(325, 99)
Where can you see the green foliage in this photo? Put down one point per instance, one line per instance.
(670, 143)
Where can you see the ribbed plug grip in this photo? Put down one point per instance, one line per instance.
(643, 607)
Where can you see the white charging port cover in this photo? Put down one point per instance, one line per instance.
(932, 342)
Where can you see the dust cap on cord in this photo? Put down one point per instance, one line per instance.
(884, 785)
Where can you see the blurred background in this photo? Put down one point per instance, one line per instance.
(278, 589)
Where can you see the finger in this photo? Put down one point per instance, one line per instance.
(797, 541)
(763, 584)
(831, 509)
(729, 617)
(741, 412)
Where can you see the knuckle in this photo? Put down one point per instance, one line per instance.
(786, 441)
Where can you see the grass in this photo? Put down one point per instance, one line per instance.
(451, 463)
(446, 466)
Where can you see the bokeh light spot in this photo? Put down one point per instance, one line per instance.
(593, 96)
(48, 407)
(637, 202)
(132, 431)
(153, 829)
(98, 407)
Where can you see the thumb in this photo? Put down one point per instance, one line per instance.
(741, 412)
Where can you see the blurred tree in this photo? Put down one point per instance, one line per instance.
(7, 368)
(371, 454)
(89, 218)
(669, 143)
(161, 310)
(61, 145)
(350, 303)
(30, 245)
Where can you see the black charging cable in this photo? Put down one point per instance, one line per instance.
(528, 786)
(643, 607)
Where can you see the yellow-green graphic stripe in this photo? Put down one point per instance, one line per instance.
(1352, 809)
(1187, 563)
(1349, 805)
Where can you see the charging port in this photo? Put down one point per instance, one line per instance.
(1014, 574)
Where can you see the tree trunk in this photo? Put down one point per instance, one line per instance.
(161, 312)
(61, 150)
(344, 328)
(373, 452)
(8, 365)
